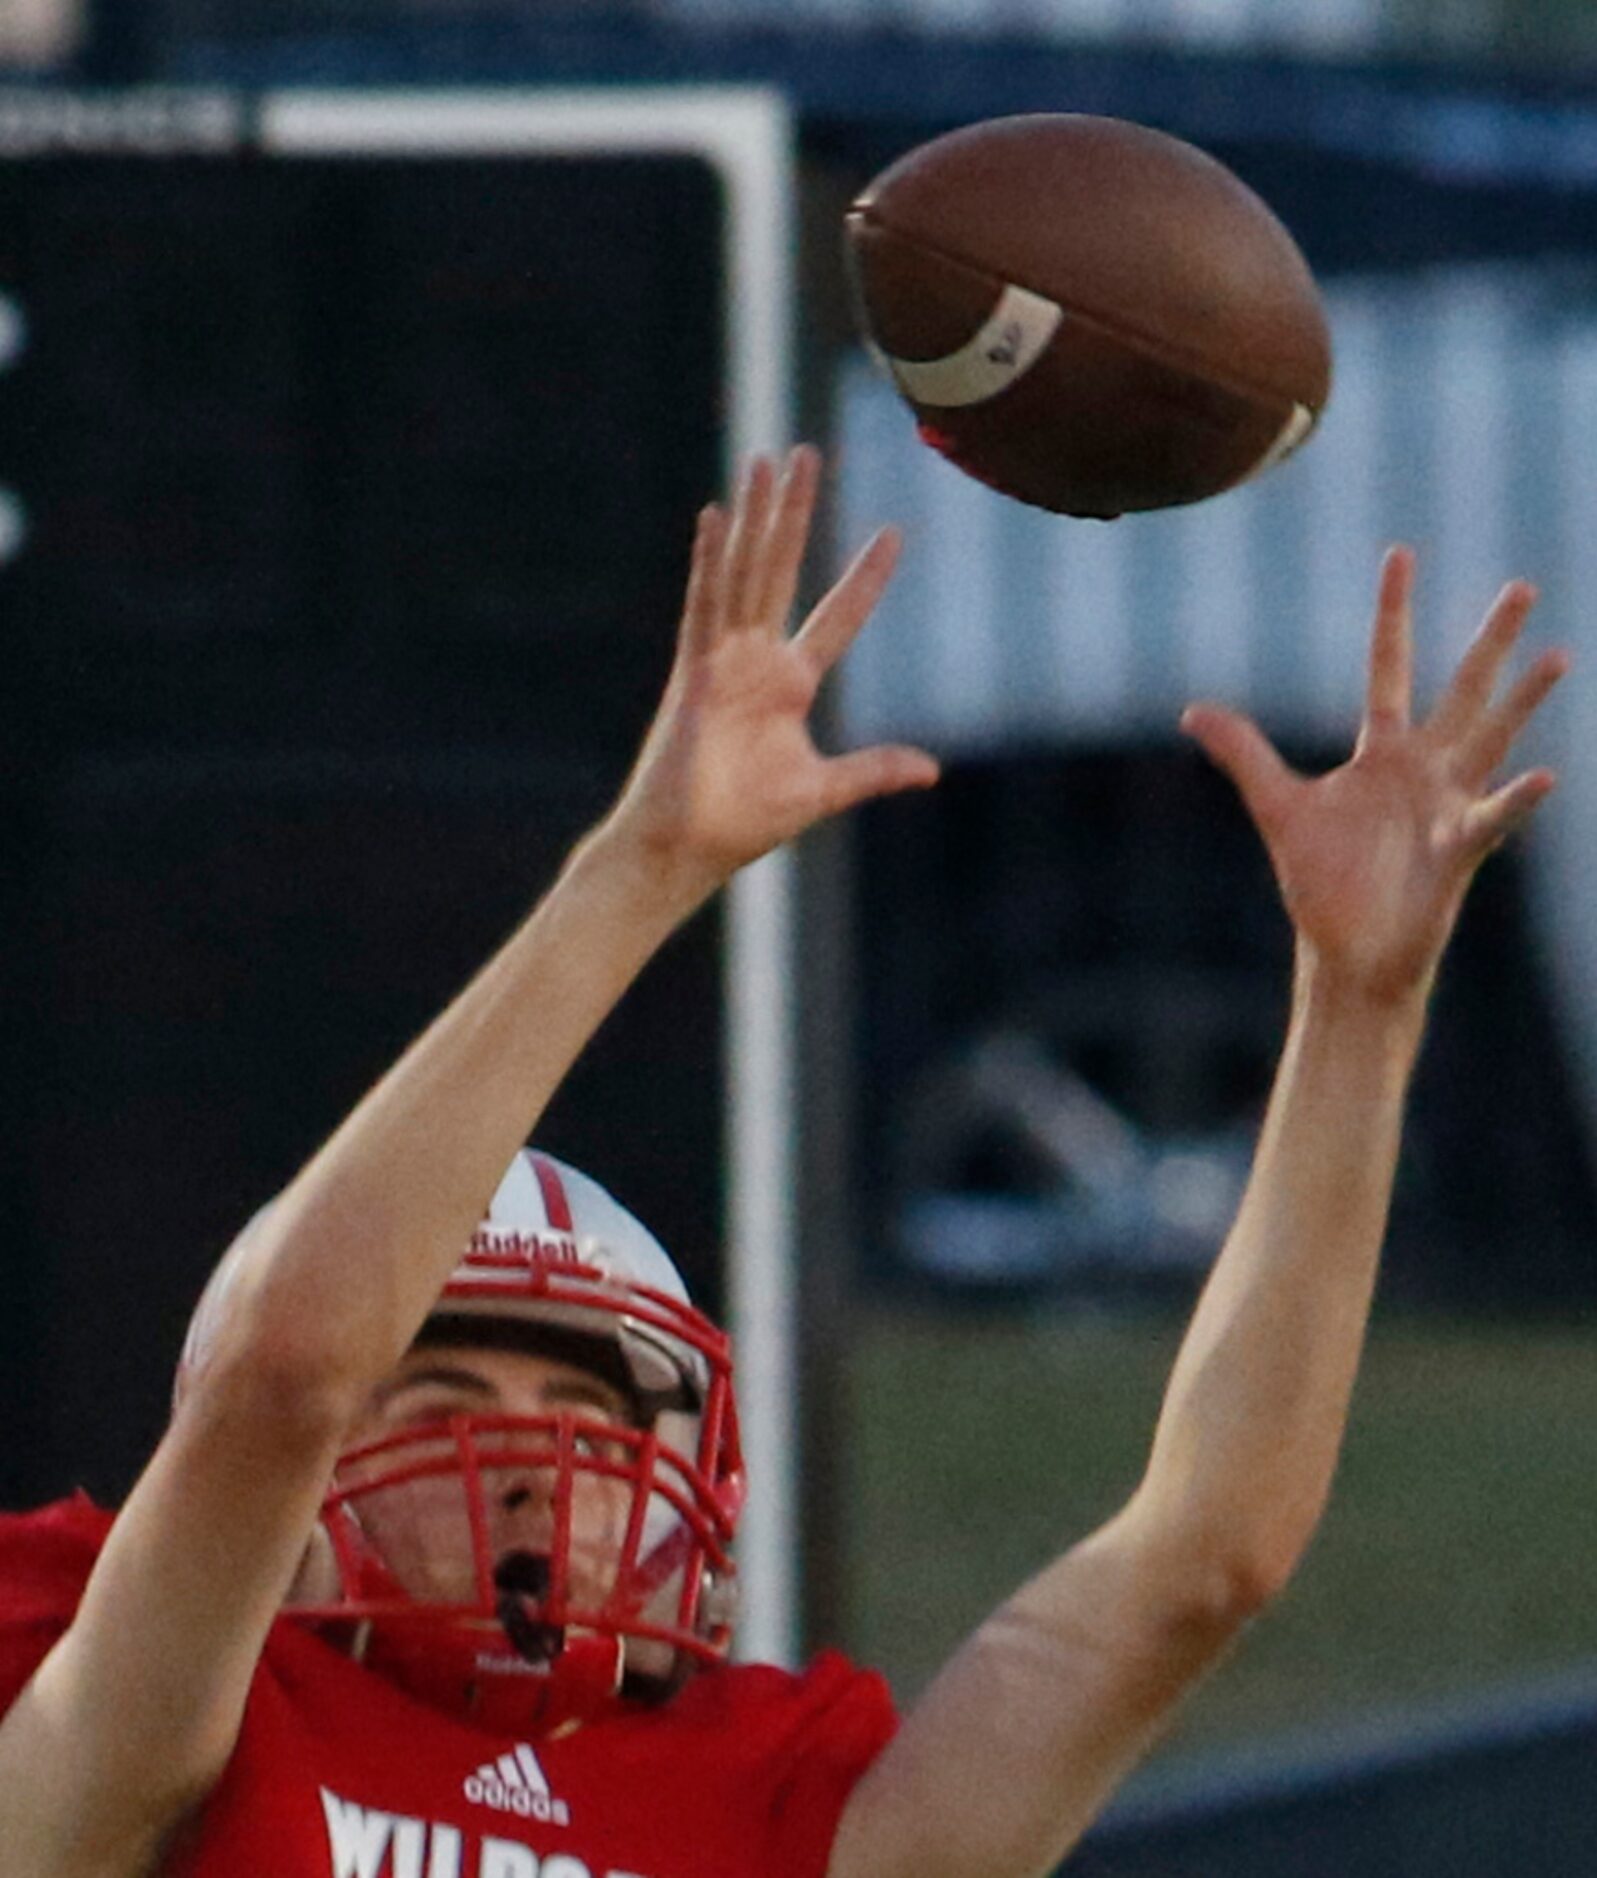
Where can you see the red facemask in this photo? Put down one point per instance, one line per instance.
(540, 1632)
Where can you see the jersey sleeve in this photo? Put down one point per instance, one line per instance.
(846, 1721)
(45, 1561)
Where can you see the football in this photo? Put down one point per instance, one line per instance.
(1087, 314)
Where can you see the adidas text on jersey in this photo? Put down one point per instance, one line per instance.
(515, 1783)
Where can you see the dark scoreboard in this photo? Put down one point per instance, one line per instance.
(344, 509)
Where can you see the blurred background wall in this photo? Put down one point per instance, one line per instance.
(295, 728)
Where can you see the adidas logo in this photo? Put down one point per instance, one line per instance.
(515, 1783)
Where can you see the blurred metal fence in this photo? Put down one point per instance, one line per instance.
(1382, 28)
(1304, 25)
(1463, 419)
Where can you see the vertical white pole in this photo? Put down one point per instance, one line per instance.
(761, 1020)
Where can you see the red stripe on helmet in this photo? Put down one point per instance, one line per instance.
(557, 1208)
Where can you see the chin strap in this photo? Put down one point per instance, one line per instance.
(583, 1683)
(467, 1671)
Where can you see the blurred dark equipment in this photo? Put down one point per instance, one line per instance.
(1065, 1070)
(312, 681)
(1501, 1786)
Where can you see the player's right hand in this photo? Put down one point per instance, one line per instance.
(729, 769)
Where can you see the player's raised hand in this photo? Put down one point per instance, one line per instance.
(1374, 859)
(729, 769)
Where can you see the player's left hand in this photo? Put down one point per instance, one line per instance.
(729, 769)
(1374, 859)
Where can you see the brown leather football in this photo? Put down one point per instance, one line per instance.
(1089, 315)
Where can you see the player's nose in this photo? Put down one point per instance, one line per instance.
(523, 1497)
(516, 1469)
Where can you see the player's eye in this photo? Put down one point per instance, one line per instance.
(420, 1412)
(593, 1442)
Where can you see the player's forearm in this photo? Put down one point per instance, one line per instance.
(1256, 1405)
(356, 1250)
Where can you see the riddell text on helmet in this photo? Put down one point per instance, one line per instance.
(532, 1248)
(364, 1842)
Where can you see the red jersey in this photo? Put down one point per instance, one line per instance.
(338, 1773)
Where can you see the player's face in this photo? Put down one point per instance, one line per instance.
(421, 1527)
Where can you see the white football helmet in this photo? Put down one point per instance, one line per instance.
(557, 1267)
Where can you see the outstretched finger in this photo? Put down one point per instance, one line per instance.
(792, 512)
(829, 631)
(701, 605)
(745, 549)
(1236, 745)
(1468, 696)
(883, 770)
(1494, 736)
(1388, 696)
(1489, 822)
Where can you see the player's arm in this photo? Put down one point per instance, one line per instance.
(133, 1716)
(1022, 1737)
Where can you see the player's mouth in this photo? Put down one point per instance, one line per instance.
(521, 1580)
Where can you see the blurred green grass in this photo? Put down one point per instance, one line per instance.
(1459, 1553)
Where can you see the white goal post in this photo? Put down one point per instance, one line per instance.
(746, 137)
